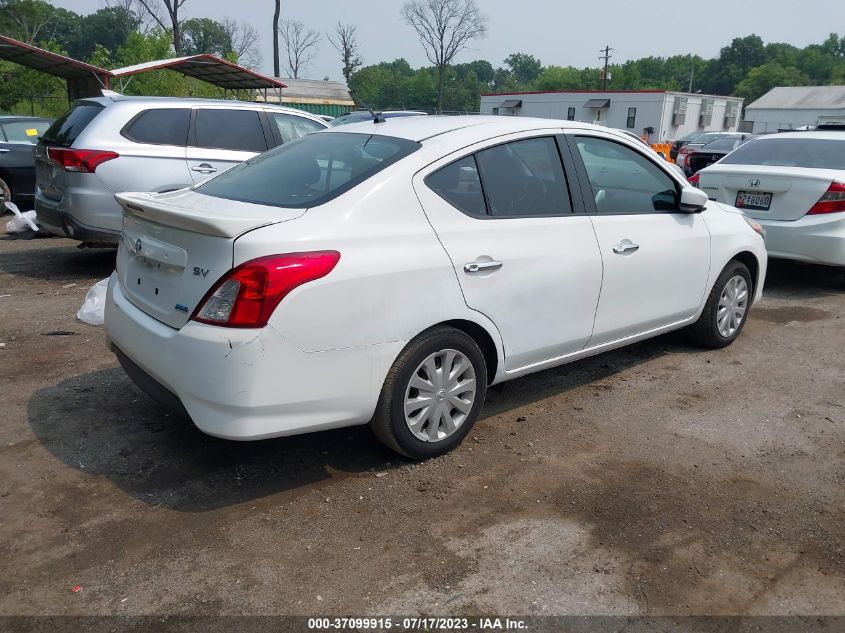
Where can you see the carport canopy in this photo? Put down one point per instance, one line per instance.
(210, 68)
(599, 104)
(83, 80)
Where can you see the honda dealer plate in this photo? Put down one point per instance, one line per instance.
(758, 200)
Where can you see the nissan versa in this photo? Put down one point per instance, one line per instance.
(389, 272)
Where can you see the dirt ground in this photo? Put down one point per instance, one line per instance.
(658, 479)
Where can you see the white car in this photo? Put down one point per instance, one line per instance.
(794, 185)
(388, 273)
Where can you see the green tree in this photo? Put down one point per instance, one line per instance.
(524, 67)
(204, 35)
(760, 80)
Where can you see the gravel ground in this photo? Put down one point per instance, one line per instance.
(658, 479)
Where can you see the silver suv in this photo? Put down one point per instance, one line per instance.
(106, 145)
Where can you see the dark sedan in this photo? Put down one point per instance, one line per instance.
(714, 151)
(18, 136)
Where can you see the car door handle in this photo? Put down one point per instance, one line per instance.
(477, 267)
(626, 246)
(4, 150)
(204, 168)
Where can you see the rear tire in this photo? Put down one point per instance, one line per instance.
(726, 310)
(432, 395)
(5, 195)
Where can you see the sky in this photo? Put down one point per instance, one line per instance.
(563, 33)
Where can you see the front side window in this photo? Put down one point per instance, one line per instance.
(309, 171)
(167, 126)
(625, 181)
(524, 178)
(632, 118)
(238, 130)
(292, 127)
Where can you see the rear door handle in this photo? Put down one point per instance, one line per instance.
(626, 246)
(4, 150)
(204, 168)
(477, 267)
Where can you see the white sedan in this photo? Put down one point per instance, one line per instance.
(388, 273)
(794, 185)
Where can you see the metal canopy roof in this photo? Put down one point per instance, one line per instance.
(802, 97)
(215, 70)
(597, 103)
(511, 103)
(82, 79)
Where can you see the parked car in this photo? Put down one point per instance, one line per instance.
(637, 138)
(18, 135)
(684, 152)
(794, 185)
(365, 115)
(389, 272)
(712, 152)
(684, 140)
(109, 144)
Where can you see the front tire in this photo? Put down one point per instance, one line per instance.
(432, 395)
(726, 310)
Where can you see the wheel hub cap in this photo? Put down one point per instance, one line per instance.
(440, 395)
(733, 304)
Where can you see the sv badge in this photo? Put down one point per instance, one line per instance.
(201, 272)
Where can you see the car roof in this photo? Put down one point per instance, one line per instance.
(837, 135)
(11, 118)
(421, 128)
(196, 101)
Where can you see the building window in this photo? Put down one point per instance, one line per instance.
(632, 118)
(570, 114)
(495, 111)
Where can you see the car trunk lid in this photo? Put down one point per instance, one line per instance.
(794, 190)
(175, 246)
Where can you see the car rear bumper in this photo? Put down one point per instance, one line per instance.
(87, 211)
(245, 384)
(818, 239)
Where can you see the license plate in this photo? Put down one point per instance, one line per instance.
(757, 200)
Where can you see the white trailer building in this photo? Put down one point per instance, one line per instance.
(670, 115)
(792, 108)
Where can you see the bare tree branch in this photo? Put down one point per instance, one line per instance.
(301, 46)
(346, 43)
(171, 7)
(445, 28)
(244, 42)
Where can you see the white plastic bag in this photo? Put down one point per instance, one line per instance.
(22, 221)
(94, 307)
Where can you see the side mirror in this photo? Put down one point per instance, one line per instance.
(693, 200)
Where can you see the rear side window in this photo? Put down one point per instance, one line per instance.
(524, 178)
(459, 185)
(238, 130)
(309, 171)
(69, 126)
(790, 152)
(292, 127)
(24, 132)
(168, 126)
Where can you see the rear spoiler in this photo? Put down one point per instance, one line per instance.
(151, 207)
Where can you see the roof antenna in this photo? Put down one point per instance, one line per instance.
(377, 117)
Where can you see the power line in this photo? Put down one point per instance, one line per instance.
(606, 57)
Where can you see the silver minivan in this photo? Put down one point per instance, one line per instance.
(105, 145)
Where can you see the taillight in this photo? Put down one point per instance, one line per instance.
(833, 200)
(84, 161)
(687, 156)
(683, 149)
(693, 180)
(247, 295)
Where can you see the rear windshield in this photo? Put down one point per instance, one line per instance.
(309, 171)
(722, 145)
(24, 132)
(70, 125)
(791, 152)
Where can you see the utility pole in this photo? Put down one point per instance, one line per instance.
(606, 57)
(691, 71)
